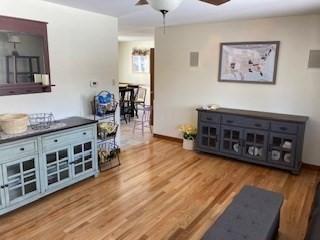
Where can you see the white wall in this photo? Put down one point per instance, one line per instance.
(82, 47)
(179, 89)
(126, 74)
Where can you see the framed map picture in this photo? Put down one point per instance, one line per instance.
(249, 62)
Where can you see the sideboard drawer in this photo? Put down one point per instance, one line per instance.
(284, 127)
(245, 122)
(256, 123)
(233, 120)
(210, 117)
(65, 138)
(18, 150)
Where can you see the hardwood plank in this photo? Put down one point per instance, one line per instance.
(159, 192)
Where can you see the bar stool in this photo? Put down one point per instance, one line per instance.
(143, 121)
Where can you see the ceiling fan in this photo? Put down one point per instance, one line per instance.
(165, 6)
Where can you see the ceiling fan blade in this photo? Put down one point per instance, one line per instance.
(215, 2)
(142, 2)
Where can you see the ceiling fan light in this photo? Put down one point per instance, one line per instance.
(167, 5)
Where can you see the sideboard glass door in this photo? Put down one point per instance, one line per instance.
(256, 144)
(231, 138)
(21, 179)
(82, 158)
(282, 149)
(57, 167)
(209, 137)
(2, 198)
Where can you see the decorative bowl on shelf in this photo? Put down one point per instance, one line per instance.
(14, 123)
(107, 130)
(210, 107)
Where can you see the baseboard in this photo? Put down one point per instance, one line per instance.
(310, 166)
(173, 139)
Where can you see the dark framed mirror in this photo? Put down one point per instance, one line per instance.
(24, 57)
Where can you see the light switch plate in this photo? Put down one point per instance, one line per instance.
(194, 59)
(93, 83)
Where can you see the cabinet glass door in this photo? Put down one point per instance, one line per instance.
(255, 144)
(21, 179)
(209, 137)
(57, 167)
(282, 149)
(82, 158)
(231, 138)
(2, 198)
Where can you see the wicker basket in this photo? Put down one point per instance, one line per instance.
(14, 123)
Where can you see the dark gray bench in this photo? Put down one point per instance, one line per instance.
(254, 214)
(313, 232)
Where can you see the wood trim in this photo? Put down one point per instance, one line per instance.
(310, 166)
(24, 19)
(152, 55)
(172, 139)
(38, 28)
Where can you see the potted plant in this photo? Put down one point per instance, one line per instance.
(189, 134)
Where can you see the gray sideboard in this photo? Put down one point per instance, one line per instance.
(39, 163)
(269, 139)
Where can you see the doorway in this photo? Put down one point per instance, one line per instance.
(136, 90)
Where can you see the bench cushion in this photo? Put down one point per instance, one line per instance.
(317, 197)
(253, 214)
(313, 231)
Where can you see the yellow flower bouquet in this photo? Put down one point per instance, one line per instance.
(188, 131)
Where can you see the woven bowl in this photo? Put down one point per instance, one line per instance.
(14, 123)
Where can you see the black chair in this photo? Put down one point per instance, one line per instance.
(126, 104)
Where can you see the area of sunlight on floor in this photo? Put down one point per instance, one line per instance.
(130, 138)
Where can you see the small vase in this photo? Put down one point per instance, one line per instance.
(188, 144)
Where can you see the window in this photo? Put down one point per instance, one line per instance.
(140, 60)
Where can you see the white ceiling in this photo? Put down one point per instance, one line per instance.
(139, 22)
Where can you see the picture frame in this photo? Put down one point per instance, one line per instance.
(249, 62)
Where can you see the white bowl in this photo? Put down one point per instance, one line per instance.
(14, 123)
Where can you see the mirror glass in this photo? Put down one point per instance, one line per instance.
(21, 56)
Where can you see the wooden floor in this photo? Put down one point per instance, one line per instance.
(159, 192)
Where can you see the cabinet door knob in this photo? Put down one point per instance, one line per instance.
(283, 128)
(56, 140)
(21, 149)
(257, 125)
(2, 187)
(229, 121)
(84, 133)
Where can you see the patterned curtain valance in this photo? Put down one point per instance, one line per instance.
(140, 52)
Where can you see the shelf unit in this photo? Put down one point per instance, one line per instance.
(108, 150)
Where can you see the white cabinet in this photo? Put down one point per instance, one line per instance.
(2, 198)
(57, 167)
(82, 156)
(64, 165)
(35, 167)
(20, 180)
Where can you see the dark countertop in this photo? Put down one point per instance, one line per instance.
(256, 114)
(67, 123)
